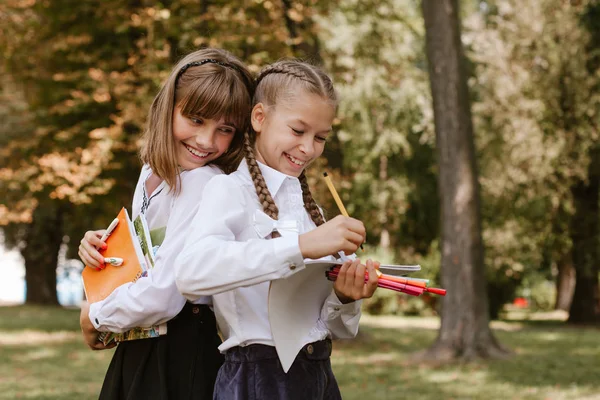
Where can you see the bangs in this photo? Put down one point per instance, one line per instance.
(216, 95)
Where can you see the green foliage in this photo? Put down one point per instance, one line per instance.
(375, 52)
(535, 114)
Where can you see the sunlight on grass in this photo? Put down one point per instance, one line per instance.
(45, 358)
(35, 338)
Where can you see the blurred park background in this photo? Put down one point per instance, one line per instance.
(467, 140)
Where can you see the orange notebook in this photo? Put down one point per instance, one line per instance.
(126, 241)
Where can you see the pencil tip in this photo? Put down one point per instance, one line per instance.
(324, 173)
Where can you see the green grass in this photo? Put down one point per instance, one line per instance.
(551, 361)
(43, 357)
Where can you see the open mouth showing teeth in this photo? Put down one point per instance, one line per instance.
(196, 152)
(295, 160)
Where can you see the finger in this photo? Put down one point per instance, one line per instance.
(340, 281)
(349, 248)
(354, 238)
(359, 282)
(93, 239)
(371, 285)
(93, 253)
(357, 226)
(349, 278)
(88, 259)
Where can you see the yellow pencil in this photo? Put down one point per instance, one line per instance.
(336, 197)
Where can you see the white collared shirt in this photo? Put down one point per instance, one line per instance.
(224, 256)
(154, 299)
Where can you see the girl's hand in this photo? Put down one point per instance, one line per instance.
(88, 249)
(90, 334)
(339, 234)
(350, 283)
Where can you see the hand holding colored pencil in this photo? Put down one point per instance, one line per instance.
(399, 284)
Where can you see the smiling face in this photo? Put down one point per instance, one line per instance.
(292, 134)
(199, 141)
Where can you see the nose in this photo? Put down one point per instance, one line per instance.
(205, 137)
(307, 146)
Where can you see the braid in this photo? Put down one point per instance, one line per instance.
(285, 69)
(264, 196)
(309, 202)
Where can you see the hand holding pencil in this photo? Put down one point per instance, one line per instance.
(341, 234)
(337, 198)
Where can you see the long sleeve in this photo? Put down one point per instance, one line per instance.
(155, 299)
(341, 319)
(213, 259)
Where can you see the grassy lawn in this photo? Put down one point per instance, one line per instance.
(43, 358)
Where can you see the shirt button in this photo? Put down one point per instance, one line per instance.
(292, 266)
(96, 319)
(196, 310)
(336, 308)
(310, 349)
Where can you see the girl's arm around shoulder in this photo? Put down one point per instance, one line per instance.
(215, 257)
(155, 299)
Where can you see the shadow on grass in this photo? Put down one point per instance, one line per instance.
(551, 360)
(44, 358)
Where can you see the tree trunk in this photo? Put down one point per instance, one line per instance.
(42, 243)
(585, 234)
(565, 283)
(464, 332)
(298, 41)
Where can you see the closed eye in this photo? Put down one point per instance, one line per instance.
(228, 130)
(297, 131)
(197, 121)
(320, 139)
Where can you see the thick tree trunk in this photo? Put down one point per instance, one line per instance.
(43, 240)
(565, 283)
(585, 234)
(464, 332)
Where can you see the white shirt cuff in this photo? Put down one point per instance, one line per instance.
(94, 314)
(335, 308)
(288, 248)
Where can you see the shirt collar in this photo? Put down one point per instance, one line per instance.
(273, 178)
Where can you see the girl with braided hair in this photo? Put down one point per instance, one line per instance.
(226, 254)
(195, 131)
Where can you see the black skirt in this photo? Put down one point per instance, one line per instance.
(182, 364)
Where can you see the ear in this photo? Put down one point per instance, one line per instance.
(257, 117)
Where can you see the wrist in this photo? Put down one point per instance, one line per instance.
(303, 243)
(343, 299)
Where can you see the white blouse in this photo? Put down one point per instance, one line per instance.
(154, 299)
(226, 256)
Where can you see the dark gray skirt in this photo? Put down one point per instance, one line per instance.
(254, 373)
(182, 364)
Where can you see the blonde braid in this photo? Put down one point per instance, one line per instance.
(285, 69)
(309, 203)
(264, 196)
